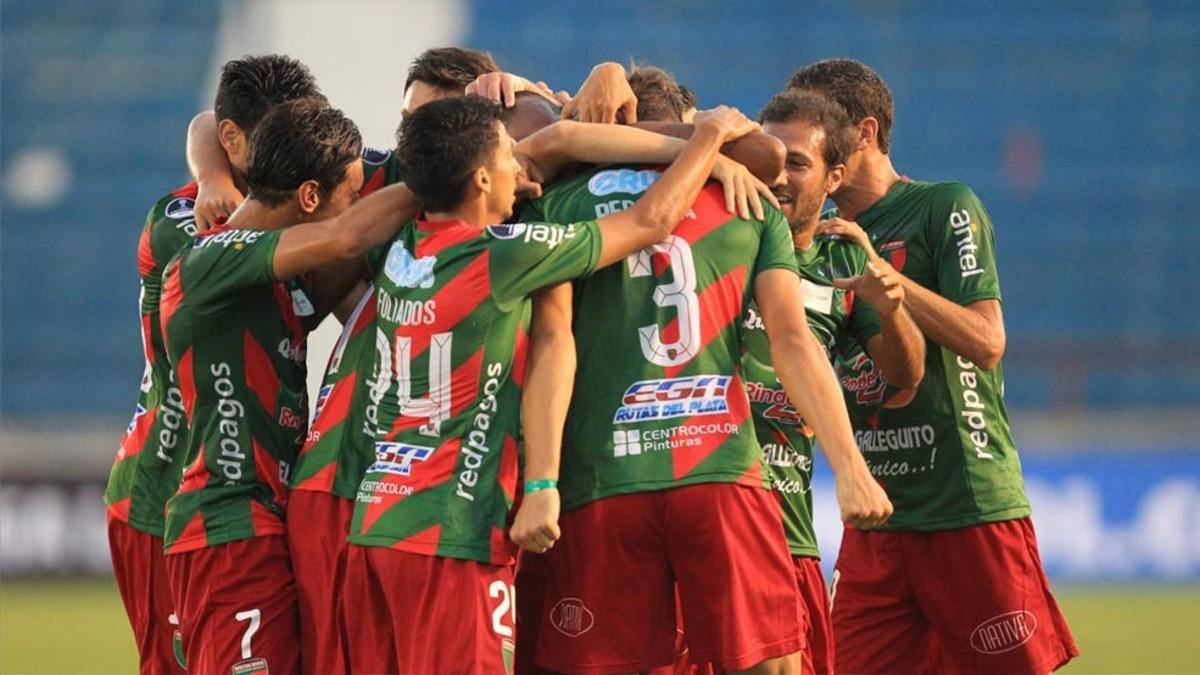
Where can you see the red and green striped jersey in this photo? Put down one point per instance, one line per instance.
(340, 444)
(146, 471)
(659, 399)
(453, 312)
(842, 325)
(943, 452)
(236, 338)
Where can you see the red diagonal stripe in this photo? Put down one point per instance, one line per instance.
(172, 294)
(685, 459)
(464, 387)
(260, 373)
(193, 530)
(720, 305)
(454, 302)
(196, 476)
(264, 521)
(426, 540)
(334, 410)
(424, 475)
(266, 469)
(187, 383)
(374, 182)
(444, 238)
(710, 212)
(145, 254)
(507, 475)
(135, 440)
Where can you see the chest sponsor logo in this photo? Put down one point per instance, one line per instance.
(860, 377)
(536, 233)
(406, 271)
(398, 458)
(817, 298)
(628, 181)
(293, 350)
(677, 397)
(180, 208)
(1005, 632)
(291, 419)
(571, 617)
(375, 156)
(974, 408)
(900, 438)
(634, 442)
(779, 407)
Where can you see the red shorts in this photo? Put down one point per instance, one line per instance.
(237, 607)
(532, 570)
(610, 595)
(973, 600)
(818, 653)
(141, 572)
(320, 523)
(411, 613)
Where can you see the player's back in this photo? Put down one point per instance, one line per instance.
(659, 401)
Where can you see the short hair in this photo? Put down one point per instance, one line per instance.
(528, 104)
(296, 142)
(450, 68)
(442, 143)
(659, 97)
(854, 86)
(251, 86)
(689, 97)
(794, 105)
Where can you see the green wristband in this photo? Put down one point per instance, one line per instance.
(532, 486)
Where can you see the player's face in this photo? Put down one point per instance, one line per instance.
(505, 172)
(804, 191)
(419, 93)
(345, 194)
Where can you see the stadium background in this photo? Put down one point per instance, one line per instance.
(1074, 121)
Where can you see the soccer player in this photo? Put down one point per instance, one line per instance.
(954, 582)
(428, 576)
(147, 468)
(235, 314)
(662, 480)
(852, 300)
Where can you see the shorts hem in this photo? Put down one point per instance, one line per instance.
(744, 661)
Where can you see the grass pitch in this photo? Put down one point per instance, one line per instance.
(80, 627)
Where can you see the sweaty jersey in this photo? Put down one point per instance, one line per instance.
(944, 452)
(340, 443)
(147, 470)
(452, 320)
(237, 340)
(842, 325)
(659, 401)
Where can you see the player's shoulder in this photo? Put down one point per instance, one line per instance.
(170, 223)
(177, 205)
(946, 193)
(846, 257)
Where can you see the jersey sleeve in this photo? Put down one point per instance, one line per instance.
(219, 265)
(776, 250)
(380, 169)
(527, 256)
(963, 246)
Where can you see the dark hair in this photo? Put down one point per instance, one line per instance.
(689, 97)
(251, 86)
(854, 86)
(300, 141)
(794, 105)
(659, 96)
(451, 68)
(442, 143)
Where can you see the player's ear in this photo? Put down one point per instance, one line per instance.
(308, 196)
(481, 178)
(868, 133)
(834, 177)
(232, 138)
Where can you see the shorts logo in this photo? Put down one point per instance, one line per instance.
(397, 458)
(374, 156)
(180, 208)
(1004, 633)
(677, 397)
(627, 181)
(407, 271)
(571, 618)
(251, 666)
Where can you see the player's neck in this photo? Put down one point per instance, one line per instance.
(867, 184)
(472, 211)
(802, 236)
(255, 215)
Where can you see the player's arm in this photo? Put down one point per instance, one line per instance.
(808, 379)
(549, 381)
(665, 204)
(218, 195)
(974, 331)
(762, 153)
(566, 142)
(347, 237)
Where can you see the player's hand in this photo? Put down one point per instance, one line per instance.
(880, 286)
(603, 96)
(848, 230)
(863, 502)
(742, 189)
(504, 87)
(535, 528)
(529, 178)
(730, 122)
(216, 198)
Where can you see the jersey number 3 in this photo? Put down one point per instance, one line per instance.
(679, 294)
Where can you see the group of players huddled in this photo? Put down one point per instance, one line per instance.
(589, 343)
